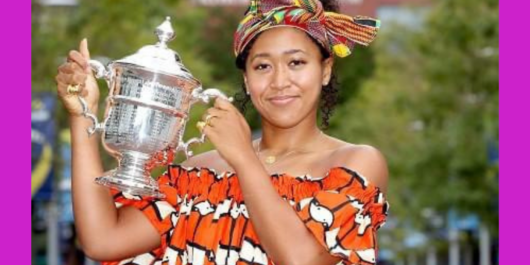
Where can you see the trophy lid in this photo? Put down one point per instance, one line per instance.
(159, 57)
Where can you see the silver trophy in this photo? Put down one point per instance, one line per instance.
(150, 96)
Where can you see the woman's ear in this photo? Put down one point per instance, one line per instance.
(326, 70)
(245, 81)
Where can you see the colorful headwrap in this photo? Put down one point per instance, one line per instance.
(336, 32)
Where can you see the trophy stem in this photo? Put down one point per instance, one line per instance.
(131, 176)
(133, 164)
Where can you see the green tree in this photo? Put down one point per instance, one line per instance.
(431, 107)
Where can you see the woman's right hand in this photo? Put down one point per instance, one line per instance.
(76, 71)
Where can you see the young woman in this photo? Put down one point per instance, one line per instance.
(294, 197)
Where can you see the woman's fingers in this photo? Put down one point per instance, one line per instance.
(211, 115)
(78, 58)
(70, 74)
(223, 104)
(70, 68)
(61, 84)
(74, 78)
(83, 49)
(212, 112)
(65, 68)
(78, 78)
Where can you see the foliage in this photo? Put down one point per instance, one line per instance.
(431, 108)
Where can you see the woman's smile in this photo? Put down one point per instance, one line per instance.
(282, 100)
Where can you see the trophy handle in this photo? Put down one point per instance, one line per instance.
(100, 70)
(185, 147)
(101, 73)
(204, 96)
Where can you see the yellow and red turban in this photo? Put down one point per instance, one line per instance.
(338, 33)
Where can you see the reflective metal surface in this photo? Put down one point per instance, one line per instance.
(150, 96)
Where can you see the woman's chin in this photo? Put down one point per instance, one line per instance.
(286, 117)
(284, 121)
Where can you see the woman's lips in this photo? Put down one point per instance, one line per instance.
(282, 100)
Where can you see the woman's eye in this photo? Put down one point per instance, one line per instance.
(261, 67)
(297, 62)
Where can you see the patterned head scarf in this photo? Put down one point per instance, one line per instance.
(336, 32)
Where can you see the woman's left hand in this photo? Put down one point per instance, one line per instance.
(229, 132)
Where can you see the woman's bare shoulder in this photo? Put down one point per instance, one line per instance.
(366, 160)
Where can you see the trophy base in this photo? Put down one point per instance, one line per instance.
(113, 180)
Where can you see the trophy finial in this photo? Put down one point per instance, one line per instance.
(165, 32)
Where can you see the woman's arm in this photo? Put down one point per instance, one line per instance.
(283, 235)
(105, 232)
(276, 223)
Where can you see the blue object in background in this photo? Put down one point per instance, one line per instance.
(42, 142)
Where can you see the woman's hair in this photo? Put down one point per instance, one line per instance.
(330, 92)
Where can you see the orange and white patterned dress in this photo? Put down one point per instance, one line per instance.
(204, 221)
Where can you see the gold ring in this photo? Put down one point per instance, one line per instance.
(200, 125)
(208, 119)
(72, 89)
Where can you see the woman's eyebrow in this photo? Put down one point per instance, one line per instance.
(266, 54)
(260, 55)
(292, 51)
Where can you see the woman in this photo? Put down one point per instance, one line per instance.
(295, 196)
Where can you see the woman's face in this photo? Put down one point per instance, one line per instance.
(284, 76)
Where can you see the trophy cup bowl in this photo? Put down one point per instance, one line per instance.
(150, 96)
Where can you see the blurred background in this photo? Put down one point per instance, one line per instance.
(425, 93)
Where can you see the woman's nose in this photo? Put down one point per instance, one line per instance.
(281, 78)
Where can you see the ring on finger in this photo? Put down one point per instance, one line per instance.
(72, 89)
(200, 125)
(207, 120)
